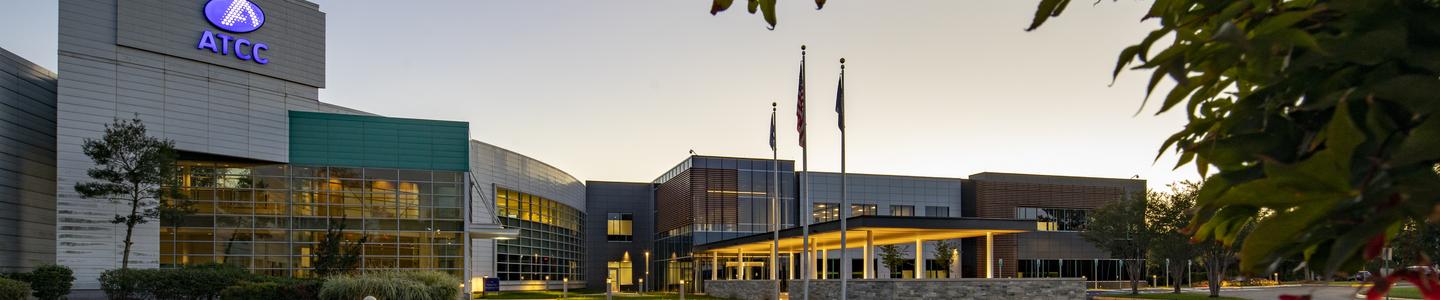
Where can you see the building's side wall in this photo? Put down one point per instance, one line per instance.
(887, 191)
(998, 194)
(492, 166)
(204, 105)
(27, 164)
(602, 198)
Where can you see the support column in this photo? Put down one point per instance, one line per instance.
(790, 265)
(824, 264)
(919, 259)
(715, 267)
(814, 258)
(869, 263)
(989, 255)
(955, 263)
(740, 265)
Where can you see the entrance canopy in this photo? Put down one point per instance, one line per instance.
(883, 230)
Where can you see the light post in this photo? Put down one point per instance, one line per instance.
(565, 290)
(608, 281)
(642, 286)
(647, 269)
(483, 279)
(682, 289)
(1153, 277)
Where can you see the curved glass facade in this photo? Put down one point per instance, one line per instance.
(268, 217)
(550, 243)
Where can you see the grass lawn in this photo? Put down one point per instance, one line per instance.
(1406, 292)
(587, 295)
(1181, 296)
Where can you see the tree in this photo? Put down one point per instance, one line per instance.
(1318, 112)
(1321, 112)
(332, 255)
(133, 169)
(1167, 215)
(944, 254)
(1417, 244)
(892, 256)
(1119, 227)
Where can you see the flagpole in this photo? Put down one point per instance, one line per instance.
(844, 202)
(775, 204)
(805, 185)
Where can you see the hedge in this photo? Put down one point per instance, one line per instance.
(11, 289)
(191, 282)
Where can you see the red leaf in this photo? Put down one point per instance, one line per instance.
(1426, 282)
(1373, 248)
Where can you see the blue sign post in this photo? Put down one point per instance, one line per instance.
(492, 284)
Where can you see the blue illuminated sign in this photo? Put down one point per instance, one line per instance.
(236, 16)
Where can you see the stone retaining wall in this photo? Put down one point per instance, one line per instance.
(968, 288)
(741, 289)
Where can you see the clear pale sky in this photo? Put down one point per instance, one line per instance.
(622, 90)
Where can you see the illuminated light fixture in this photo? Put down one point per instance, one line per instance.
(734, 192)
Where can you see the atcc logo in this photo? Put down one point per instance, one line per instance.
(238, 16)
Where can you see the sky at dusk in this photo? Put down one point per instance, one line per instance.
(622, 90)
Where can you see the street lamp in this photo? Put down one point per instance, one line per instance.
(647, 270)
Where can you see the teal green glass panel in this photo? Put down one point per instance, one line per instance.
(341, 140)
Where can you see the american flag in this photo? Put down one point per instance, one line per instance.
(800, 103)
(840, 96)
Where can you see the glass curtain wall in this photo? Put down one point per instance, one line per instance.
(269, 217)
(731, 200)
(550, 243)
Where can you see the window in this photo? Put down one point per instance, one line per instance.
(902, 210)
(937, 211)
(825, 212)
(619, 227)
(1054, 219)
(862, 210)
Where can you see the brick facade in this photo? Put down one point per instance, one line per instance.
(997, 196)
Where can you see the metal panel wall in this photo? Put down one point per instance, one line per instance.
(174, 28)
(206, 104)
(492, 166)
(27, 164)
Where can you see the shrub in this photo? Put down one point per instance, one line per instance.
(11, 289)
(1240, 283)
(255, 291)
(125, 283)
(389, 285)
(269, 287)
(50, 282)
(191, 282)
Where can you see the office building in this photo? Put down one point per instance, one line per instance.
(270, 167)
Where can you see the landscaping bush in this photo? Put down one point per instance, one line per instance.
(125, 283)
(390, 285)
(1240, 283)
(255, 291)
(269, 287)
(11, 289)
(50, 282)
(191, 282)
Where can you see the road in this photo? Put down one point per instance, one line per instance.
(1273, 293)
